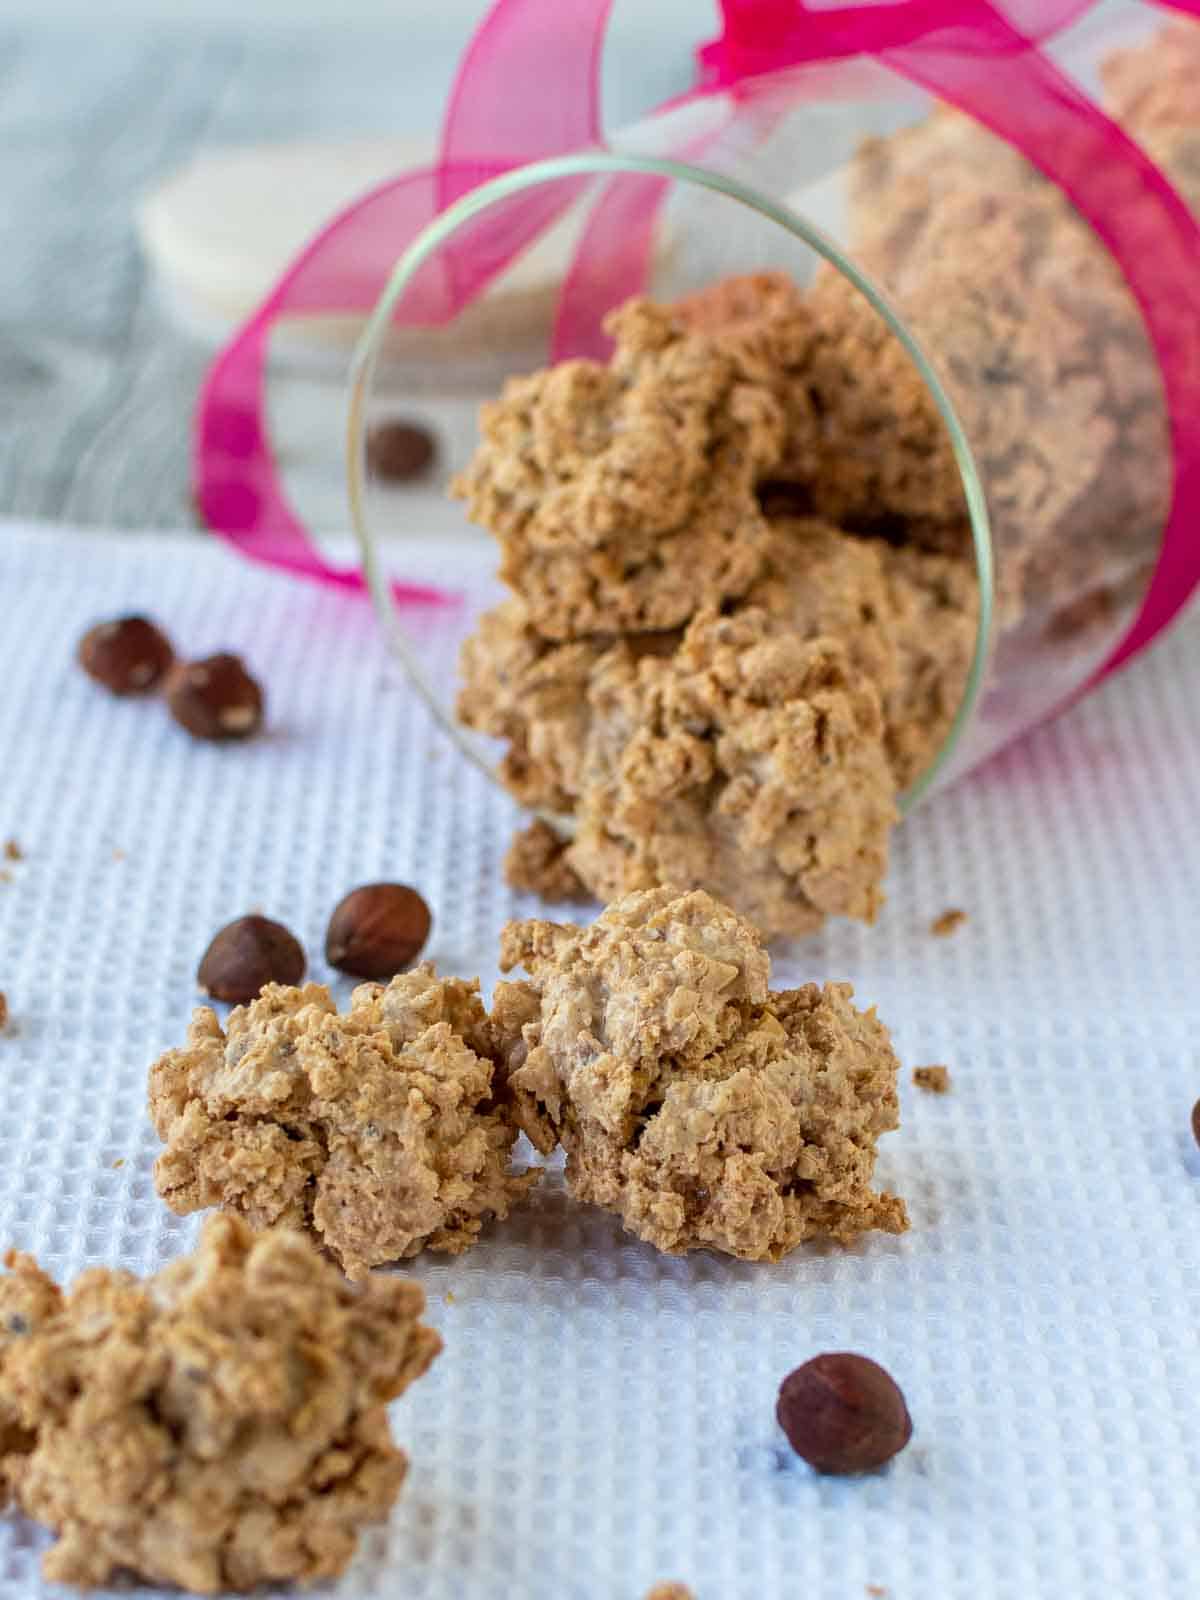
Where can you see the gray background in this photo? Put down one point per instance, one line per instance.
(97, 381)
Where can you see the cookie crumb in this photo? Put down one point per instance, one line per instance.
(935, 1079)
(5, 875)
(13, 851)
(877, 1591)
(536, 863)
(670, 1591)
(3, 1008)
(449, 1297)
(949, 922)
(118, 855)
(119, 1162)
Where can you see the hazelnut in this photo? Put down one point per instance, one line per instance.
(398, 451)
(247, 954)
(1196, 1122)
(128, 656)
(377, 930)
(215, 698)
(843, 1413)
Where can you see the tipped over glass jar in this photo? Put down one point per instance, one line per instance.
(806, 497)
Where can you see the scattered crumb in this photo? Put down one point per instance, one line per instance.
(13, 851)
(949, 922)
(3, 1008)
(670, 1591)
(877, 1591)
(5, 875)
(119, 1162)
(220, 1426)
(118, 855)
(449, 1297)
(935, 1079)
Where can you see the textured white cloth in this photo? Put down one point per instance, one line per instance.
(603, 1416)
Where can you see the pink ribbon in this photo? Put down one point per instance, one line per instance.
(238, 491)
(982, 57)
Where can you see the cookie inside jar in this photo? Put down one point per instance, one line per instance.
(842, 499)
(718, 684)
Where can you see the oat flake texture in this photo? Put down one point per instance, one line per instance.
(602, 1416)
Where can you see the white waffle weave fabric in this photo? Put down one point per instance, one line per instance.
(603, 1416)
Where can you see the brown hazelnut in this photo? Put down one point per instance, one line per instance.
(128, 656)
(215, 698)
(377, 930)
(843, 1414)
(247, 954)
(398, 451)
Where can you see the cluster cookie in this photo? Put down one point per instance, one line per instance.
(223, 1425)
(701, 1107)
(755, 753)
(721, 689)
(854, 529)
(219, 1426)
(380, 1130)
(1040, 342)
(622, 495)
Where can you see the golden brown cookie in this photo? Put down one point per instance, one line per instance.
(700, 1107)
(623, 495)
(750, 763)
(219, 1426)
(380, 1130)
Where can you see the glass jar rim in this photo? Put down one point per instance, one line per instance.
(601, 162)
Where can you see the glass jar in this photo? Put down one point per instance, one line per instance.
(972, 396)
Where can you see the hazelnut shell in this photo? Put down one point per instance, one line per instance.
(215, 698)
(127, 656)
(247, 954)
(398, 451)
(377, 931)
(843, 1414)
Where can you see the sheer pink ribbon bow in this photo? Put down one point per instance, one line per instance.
(980, 55)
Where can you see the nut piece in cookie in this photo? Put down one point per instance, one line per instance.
(382, 1130)
(699, 1106)
(622, 496)
(220, 1426)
